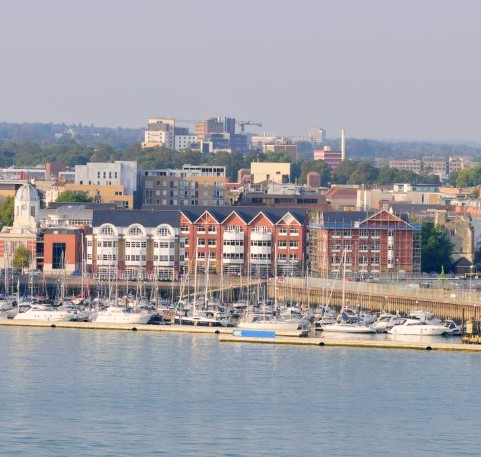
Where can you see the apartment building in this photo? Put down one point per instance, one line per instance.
(135, 244)
(360, 243)
(244, 239)
(197, 185)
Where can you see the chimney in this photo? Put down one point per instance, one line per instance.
(343, 145)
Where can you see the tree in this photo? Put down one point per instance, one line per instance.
(436, 248)
(6, 211)
(70, 196)
(21, 257)
(318, 166)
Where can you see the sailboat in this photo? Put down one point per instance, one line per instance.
(199, 317)
(270, 321)
(347, 323)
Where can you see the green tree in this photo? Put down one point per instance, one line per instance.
(69, 196)
(318, 166)
(21, 257)
(6, 211)
(469, 177)
(436, 248)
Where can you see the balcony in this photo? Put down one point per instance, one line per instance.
(260, 236)
(233, 235)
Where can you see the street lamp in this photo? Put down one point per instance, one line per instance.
(471, 267)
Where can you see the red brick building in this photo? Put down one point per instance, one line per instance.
(362, 243)
(245, 239)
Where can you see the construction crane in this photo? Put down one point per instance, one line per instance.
(244, 123)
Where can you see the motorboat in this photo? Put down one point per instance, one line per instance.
(452, 328)
(265, 321)
(417, 327)
(348, 327)
(38, 312)
(122, 315)
(200, 320)
(386, 321)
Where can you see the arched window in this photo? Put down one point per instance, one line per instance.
(164, 231)
(107, 231)
(135, 230)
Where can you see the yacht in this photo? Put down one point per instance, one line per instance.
(122, 315)
(265, 321)
(417, 327)
(348, 327)
(386, 321)
(38, 312)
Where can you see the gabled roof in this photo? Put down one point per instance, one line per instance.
(246, 213)
(385, 216)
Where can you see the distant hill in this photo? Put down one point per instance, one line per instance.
(117, 138)
(383, 151)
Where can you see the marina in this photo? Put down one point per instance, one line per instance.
(286, 337)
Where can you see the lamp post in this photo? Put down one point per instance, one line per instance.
(471, 267)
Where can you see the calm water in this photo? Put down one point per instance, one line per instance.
(107, 393)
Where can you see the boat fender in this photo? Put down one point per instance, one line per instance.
(322, 343)
(429, 348)
(217, 332)
(53, 326)
(134, 329)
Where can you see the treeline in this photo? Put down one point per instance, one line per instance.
(117, 138)
(72, 153)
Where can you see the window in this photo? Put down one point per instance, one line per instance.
(212, 229)
(184, 229)
(164, 231)
(376, 233)
(212, 242)
(58, 256)
(294, 231)
(282, 243)
(135, 231)
(109, 231)
(283, 231)
(363, 233)
(294, 244)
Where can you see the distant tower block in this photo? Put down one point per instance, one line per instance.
(343, 145)
(317, 135)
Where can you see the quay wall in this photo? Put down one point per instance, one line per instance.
(458, 304)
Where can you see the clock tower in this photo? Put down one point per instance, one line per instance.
(26, 207)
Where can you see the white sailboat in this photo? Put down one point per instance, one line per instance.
(347, 324)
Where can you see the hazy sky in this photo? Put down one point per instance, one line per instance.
(381, 69)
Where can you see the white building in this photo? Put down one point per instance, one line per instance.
(120, 172)
(160, 132)
(184, 141)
